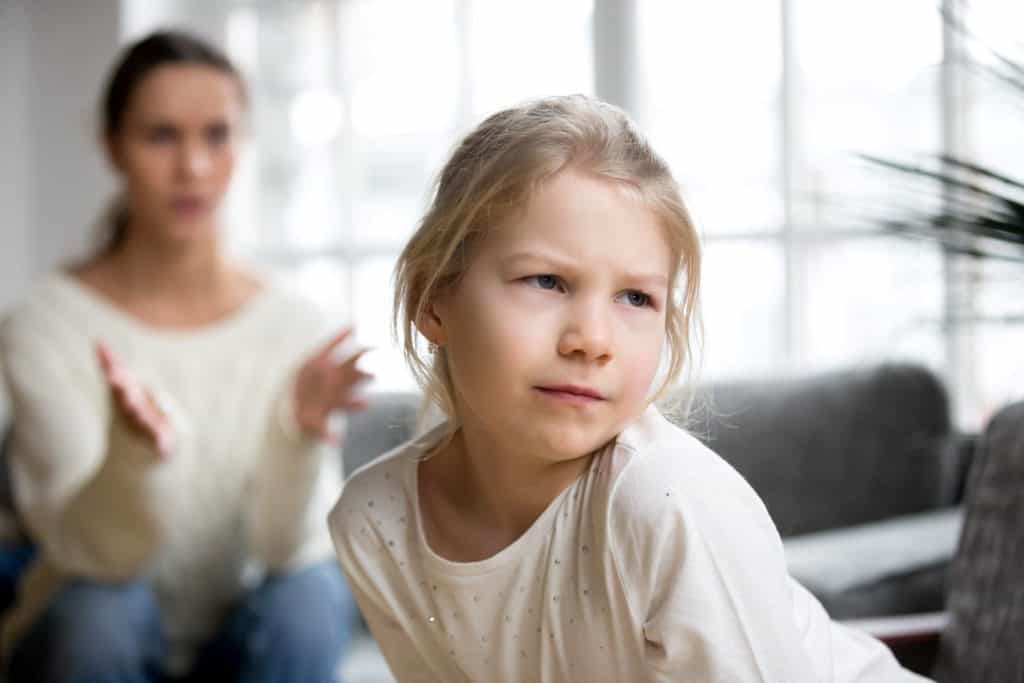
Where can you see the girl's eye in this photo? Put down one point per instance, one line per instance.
(544, 281)
(637, 298)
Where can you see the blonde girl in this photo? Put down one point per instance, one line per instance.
(556, 527)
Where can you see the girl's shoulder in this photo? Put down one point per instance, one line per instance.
(675, 503)
(659, 471)
(383, 488)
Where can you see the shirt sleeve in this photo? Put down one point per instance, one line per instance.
(297, 477)
(86, 486)
(704, 566)
(355, 552)
(843, 654)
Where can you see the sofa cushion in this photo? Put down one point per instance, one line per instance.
(895, 566)
(837, 449)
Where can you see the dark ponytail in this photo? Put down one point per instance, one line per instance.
(158, 49)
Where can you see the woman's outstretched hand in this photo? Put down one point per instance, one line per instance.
(135, 403)
(326, 384)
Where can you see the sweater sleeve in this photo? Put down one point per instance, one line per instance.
(297, 477)
(714, 595)
(87, 488)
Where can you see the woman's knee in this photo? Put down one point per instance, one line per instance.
(306, 616)
(93, 632)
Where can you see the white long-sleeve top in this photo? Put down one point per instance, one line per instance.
(659, 563)
(242, 492)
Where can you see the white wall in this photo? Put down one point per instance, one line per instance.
(73, 45)
(15, 162)
(53, 58)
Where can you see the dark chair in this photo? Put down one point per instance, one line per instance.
(984, 639)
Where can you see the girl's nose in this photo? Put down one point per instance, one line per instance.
(587, 334)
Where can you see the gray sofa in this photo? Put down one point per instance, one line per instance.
(861, 470)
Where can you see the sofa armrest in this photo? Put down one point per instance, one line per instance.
(841, 558)
(903, 628)
(914, 639)
(893, 566)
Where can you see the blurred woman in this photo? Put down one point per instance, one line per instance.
(172, 452)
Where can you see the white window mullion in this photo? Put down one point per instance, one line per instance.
(794, 222)
(958, 270)
(463, 21)
(616, 71)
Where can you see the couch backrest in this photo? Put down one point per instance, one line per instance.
(836, 449)
(388, 422)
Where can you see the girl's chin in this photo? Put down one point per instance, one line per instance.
(566, 450)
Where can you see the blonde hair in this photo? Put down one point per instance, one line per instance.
(493, 173)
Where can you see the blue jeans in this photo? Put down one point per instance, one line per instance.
(293, 627)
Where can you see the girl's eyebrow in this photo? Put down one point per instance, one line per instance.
(531, 257)
(557, 263)
(650, 279)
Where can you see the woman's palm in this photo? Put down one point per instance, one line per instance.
(134, 402)
(325, 384)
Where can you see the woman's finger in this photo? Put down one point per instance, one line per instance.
(349, 376)
(351, 359)
(119, 379)
(153, 424)
(104, 355)
(344, 397)
(327, 349)
(108, 364)
(346, 373)
(346, 383)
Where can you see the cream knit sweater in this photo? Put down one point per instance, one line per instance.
(241, 494)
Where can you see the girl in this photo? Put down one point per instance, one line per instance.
(557, 527)
(169, 414)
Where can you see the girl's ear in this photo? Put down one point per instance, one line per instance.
(431, 325)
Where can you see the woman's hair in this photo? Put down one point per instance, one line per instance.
(138, 60)
(492, 175)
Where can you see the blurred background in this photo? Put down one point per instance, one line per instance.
(765, 109)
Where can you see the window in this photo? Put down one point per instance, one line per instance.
(761, 108)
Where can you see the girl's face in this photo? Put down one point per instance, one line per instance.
(554, 334)
(175, 150)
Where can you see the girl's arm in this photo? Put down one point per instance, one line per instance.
(86, 482)
(847, 654)
(704, 566)
(357, 552)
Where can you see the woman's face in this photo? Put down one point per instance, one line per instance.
(175, 150)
